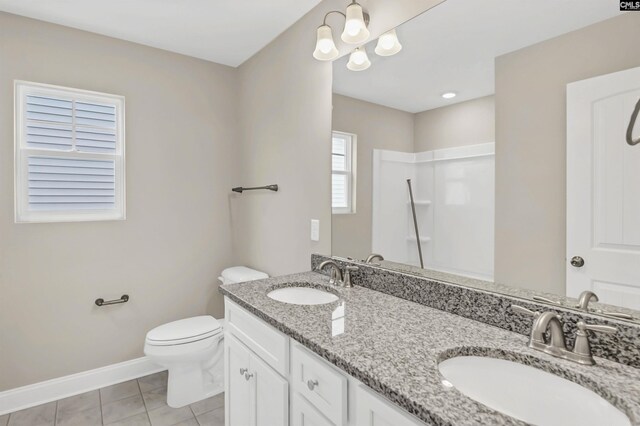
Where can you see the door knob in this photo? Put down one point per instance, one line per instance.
(577, 261)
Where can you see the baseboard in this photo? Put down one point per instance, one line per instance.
(52, 390)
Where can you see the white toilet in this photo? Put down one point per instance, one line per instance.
(192, 350)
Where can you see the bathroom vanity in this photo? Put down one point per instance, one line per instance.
(371, 358)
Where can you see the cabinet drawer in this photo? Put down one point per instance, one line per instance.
(304, 414)
(320, 383)
(374, 410)
(264, 340)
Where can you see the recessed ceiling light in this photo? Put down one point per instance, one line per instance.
(449, 95)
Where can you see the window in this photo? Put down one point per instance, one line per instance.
(69, 154)
(343, 181)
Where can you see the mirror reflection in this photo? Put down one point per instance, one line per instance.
(496, 150)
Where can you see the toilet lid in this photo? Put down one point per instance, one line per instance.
(184, 331)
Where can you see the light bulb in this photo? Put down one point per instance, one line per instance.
(388, 44)
(449, 95)
(358, 60)
(352, 27)
(325, 47)
(355, 29)
(359, 57)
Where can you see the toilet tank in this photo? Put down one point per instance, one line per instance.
(238, 274)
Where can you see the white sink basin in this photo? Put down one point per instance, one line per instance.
(302, 296)
(529, 394)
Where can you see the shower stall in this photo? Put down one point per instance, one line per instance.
(453, 192)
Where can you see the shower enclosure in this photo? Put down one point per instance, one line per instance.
(454, 201)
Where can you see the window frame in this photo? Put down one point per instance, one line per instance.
(351, 164)
(22, 153)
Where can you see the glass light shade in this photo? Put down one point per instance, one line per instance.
(355, 30)
(358, 60)
(388, 44)
(325, 47)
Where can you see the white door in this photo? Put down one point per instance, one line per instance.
(603, 189)
(272, 395)
(239, 395)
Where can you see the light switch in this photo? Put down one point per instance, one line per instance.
(315, 230)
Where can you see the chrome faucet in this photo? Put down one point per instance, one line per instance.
(556, 346)
(584, 299)
(372, 257)
(336, 273)
(338, 278)
(587, 296)
(542, 322)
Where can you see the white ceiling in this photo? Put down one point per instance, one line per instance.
(223, 31)
(452, 47)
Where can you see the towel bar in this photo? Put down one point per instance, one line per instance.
(101, 302)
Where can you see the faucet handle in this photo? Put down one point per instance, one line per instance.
(346, 279)
(596, 327)
(522, 310)
(582, 347)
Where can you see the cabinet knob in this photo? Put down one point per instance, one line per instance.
(311, 384)
(247, 376)
(243, 370)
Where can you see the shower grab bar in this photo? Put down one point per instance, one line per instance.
(123, 299)
(415, 223)
(239, 189)
(632, 124)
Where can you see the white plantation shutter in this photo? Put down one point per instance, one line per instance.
(69, 154)
(342, 176)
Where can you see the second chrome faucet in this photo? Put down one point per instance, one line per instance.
(555, 344)
(338, 277)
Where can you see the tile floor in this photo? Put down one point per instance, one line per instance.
(141, 402)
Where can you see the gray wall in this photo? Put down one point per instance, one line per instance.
(181, 119)
(466, 123)
(377, 127)
(531, 144)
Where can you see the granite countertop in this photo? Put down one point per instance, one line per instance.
(394, 346)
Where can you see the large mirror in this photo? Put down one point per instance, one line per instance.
(492, 150)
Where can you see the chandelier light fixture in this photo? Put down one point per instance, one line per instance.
(355, 31)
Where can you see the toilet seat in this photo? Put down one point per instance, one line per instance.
(184, 331)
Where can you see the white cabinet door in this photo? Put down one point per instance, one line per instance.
(374, 410)
(603, 189)
(239, 395)
(305, 414)
(272, 395)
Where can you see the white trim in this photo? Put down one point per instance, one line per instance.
(62, 387)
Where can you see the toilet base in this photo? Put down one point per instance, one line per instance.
(188, 384)
(196, 369)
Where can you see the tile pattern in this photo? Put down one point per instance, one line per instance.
(394, 346)
(494, 308)
(141, 402)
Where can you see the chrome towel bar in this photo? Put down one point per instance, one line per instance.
(123, 299)
(269, 187)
